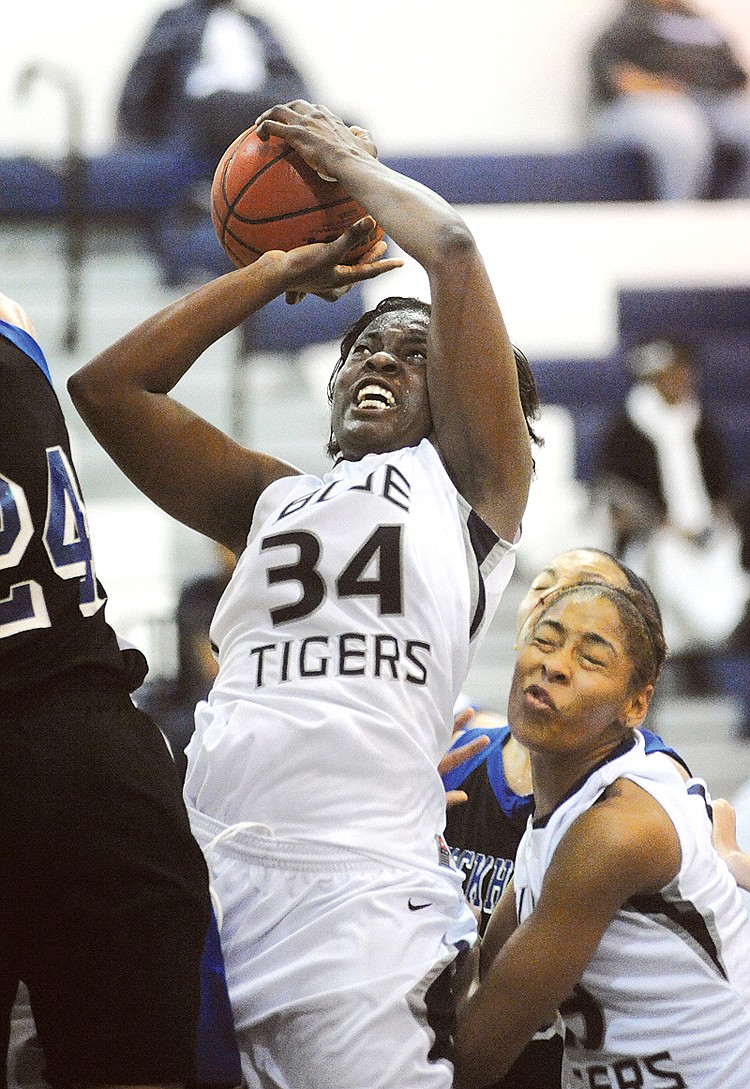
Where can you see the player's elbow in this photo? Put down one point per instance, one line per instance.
(86, 391)
(454, 244)
(77, 389)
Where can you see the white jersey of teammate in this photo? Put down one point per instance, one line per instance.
(343, 639)
(664, 1002)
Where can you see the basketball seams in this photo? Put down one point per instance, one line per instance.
(240, 259)
(327, 209)
(231, 205)
(312, 210)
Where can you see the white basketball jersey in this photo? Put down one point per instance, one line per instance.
(664, 1002)
(344, 637)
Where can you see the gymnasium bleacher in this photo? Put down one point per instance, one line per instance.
(716, 320)
(128, 208)
(149, 192)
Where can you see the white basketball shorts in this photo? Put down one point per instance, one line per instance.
(335, 961)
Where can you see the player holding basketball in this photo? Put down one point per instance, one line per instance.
(346, 631)
(621, 914)
(104, 893)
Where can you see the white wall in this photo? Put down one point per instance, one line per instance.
(557, 268)
(431, 74)
(422, 74)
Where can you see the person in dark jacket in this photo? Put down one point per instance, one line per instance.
(665, 467)
(665, 79)
(206, 70)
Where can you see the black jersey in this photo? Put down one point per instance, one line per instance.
(484, 832)
(51, 605)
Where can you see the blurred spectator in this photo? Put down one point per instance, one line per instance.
(171, 702)
(205, 71)
(740, 509)
(665, 469)
(665, 79)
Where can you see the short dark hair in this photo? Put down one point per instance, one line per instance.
(405, 304)
(635, 582)
(641, 620)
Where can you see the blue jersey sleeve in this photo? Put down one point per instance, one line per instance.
(453, 779)
(654, 743)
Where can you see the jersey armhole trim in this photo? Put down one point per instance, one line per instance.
(27, 344)
(484, 551)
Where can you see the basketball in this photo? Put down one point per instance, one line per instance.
(264, 196)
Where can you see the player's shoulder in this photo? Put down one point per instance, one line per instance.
(655, 744)
(626, 820)
(623, 842)
(22, 359)
(427, 455)
(30, 413)
(286, 482)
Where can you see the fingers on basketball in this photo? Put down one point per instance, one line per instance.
(264, 196)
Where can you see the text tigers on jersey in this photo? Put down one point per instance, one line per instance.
(351, 654)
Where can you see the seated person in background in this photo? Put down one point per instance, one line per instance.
(739, 507)
(206, 70)
(665, 469)
(665, 79)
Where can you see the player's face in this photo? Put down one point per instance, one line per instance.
(380, 400)
(571, 691)
(568, 569)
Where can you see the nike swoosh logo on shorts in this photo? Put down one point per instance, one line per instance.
(418, 907)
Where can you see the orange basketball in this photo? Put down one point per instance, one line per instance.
(264, 196)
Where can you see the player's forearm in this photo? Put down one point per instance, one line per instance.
(419, 221)
(517, 996)
(490, 1037)
(739, 867)
(160, 350)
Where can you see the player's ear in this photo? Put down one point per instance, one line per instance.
(637, 707)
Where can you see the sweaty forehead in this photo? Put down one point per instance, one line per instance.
(404, 320)
(586, 608)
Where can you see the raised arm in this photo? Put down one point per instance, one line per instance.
(479, 425)
(191, 469)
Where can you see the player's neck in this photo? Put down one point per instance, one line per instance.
(517, 766)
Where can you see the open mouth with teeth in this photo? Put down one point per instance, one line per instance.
(374, 396)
